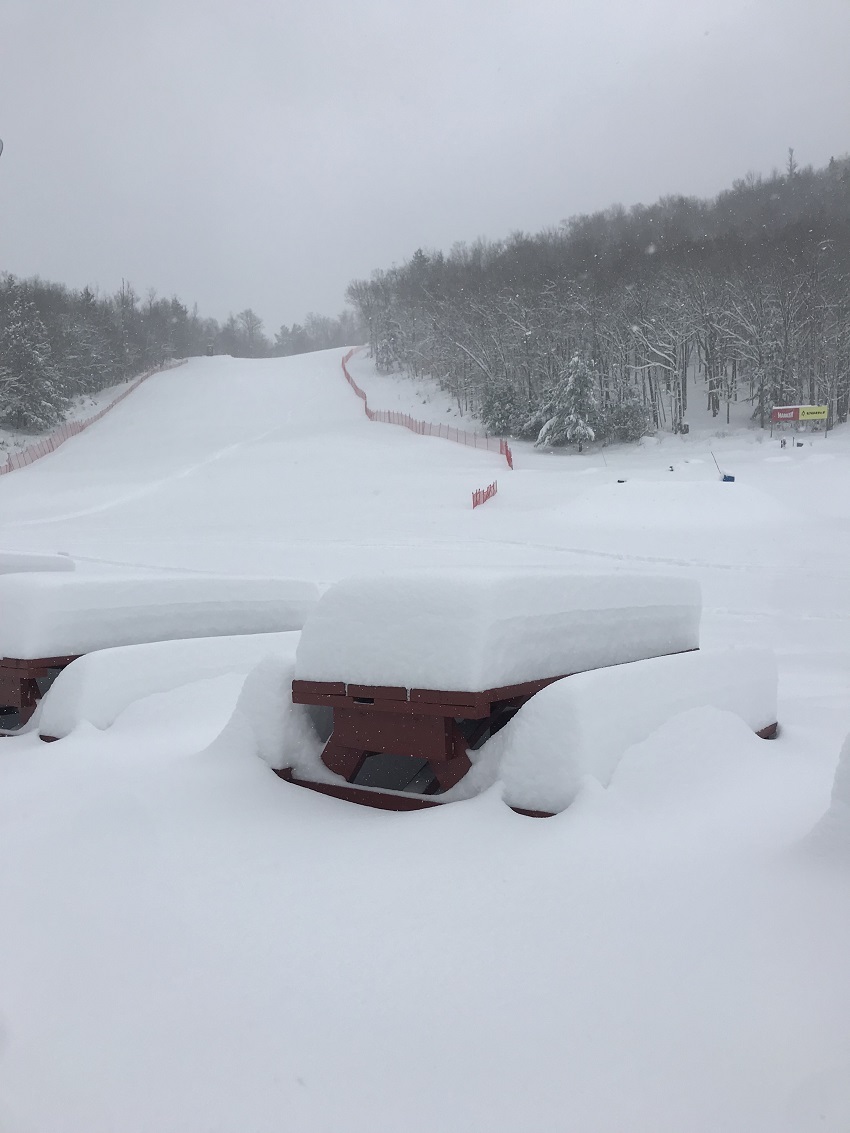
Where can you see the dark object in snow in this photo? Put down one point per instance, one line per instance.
(23, 682)
(727, 479)
(621, 481)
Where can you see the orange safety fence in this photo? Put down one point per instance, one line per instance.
(425, 428)
(49, 444)
(482, 495)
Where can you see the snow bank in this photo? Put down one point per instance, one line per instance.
(14, 562)
(99, 686)
(833, 830)
(474, 630)
(582, 725)
(49, 615)
(266, 721)
(700, 504)
(693, 761)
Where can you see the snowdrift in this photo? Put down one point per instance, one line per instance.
(582, 725)
(16, 562)
(99, 686)
(679, 505)
(266, 723)
(832, 833)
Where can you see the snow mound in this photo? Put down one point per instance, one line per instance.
(98, 687)
(689, 757)
(473, 630)
(15, 562)
(266, 721)
(832, 833)
(51, 615)
(690, 504)
(582, 725)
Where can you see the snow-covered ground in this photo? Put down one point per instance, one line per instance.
(422, 398)
(190, 944)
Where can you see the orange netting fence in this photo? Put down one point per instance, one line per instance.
(58, 437)
(425, 428)
(482, 495)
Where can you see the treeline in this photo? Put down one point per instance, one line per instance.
(242, 335)
(592, 330)
(57, 344)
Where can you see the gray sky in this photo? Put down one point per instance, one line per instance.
(263, 154)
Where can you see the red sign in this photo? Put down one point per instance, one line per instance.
(785, 413)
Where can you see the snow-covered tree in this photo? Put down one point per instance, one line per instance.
(33, 397)
(574, 406)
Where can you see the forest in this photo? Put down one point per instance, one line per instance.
(591, 330)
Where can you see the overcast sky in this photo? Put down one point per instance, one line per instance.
(264, 154)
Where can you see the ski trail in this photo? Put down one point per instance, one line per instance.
(147, 489)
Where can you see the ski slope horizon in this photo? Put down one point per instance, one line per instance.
(192, 944)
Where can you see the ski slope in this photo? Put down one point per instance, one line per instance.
(189, 944)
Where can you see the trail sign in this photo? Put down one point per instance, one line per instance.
(814, 412)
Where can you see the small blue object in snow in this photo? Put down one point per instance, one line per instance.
(728, 479)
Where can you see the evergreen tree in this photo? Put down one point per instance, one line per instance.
(33, 398)
(500, 409)
(574, 406)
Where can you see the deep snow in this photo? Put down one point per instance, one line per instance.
(477, 628)
(52, 614)
(190, 944)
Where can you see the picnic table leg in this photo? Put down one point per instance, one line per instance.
(344, 761)
(450, 771)
(20, 693)
(29, 698)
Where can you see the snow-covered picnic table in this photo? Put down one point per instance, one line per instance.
(422, 666)
(47, 619)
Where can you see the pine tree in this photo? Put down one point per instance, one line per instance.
(33, 398)
(500, 409)
(574, 406)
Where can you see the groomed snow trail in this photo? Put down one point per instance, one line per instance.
(190, 944)
(239, 466)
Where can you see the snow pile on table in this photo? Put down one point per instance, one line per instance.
(473, 630)
(51, 615)
(99, 686)
(14, 562)
(833, 830)
(581, 726)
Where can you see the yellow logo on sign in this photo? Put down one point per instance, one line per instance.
(813, 412)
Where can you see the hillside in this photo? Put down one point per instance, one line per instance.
(745, 296)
